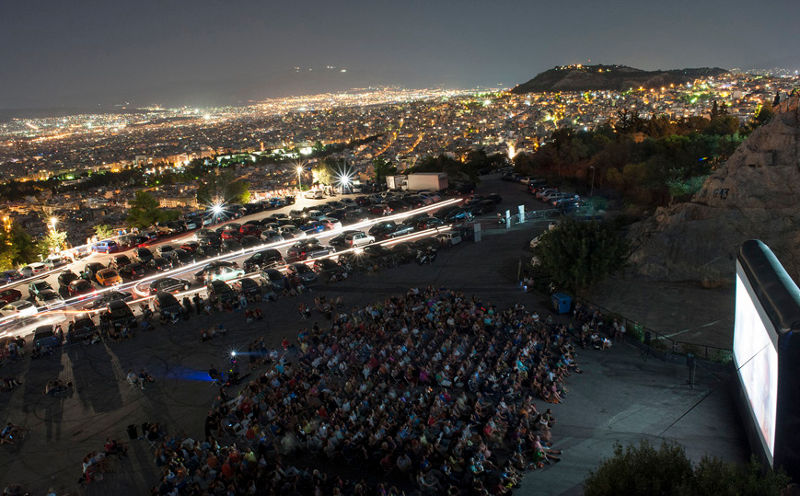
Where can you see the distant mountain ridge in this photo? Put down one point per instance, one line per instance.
(610, 77)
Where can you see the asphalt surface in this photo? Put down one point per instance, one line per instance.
(621, 396)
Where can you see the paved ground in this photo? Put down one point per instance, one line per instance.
(682, 311)
(620, 397)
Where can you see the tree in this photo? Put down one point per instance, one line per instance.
(382, 168)
(644, 470)
(103, 231)
(53, 242)
(764, 115)
(224, 186)
(146, 212)
(576, 255)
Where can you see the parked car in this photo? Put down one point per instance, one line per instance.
(303, 271)
(55, 261)
(44, 337)
(107, 246)
(160, 264)
(119, 314)
(109, 296)
(168, 285)
(10, 276)
(133, 271)
(262, 260)
(90, 270)
(80, 287)
(108, 277)
(202, 274)
(19, 307)
(119, 261)
(275, 279)
(167, 305)
(250, 242)
(165, 251)
(49, 299)
(33, 269)
(224, 274)
(36, 287)
(82, 327)
(143, 255)
(10, 295)
(248, 287)
(358, 238)
(219, 291)
(449, 238)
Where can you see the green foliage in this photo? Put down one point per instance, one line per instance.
(576, 255)
(641, 471)
(146, 212)
(17, 248)
(103, 231)
(224, 186)
(53, 241)
(383, 168)
(455, 169)
(644, 470)
(644, 169)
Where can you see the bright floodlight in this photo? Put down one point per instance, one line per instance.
(299, 169)
(344, 180)
(233, 353)
(53, 222)
(216, 208)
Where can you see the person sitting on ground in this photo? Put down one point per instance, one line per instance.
(145, 376)
(133, 379)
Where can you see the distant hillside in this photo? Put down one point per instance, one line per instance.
(609, 77)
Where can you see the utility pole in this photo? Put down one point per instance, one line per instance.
(591, 190)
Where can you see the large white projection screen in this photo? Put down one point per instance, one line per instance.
(756, 359)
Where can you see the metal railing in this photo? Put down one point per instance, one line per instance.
(658, 342)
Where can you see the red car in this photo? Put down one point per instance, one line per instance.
(248, 230)
(10, 295)
(231, 234)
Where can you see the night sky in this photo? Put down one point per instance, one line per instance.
(202, 52)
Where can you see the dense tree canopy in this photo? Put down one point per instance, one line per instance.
(145, 211)
(644, 471)
(224, 186)
(647, 162)
(576, 255)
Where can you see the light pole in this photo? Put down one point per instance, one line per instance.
(299, 178)
(53, 222)
(591, 189)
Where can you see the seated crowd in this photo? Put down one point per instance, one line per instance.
(427, 393)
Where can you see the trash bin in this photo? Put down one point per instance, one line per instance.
(562, 303)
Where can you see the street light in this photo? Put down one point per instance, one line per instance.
(299, 179)
(53, 222)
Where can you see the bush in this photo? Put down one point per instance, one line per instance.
(577, 255)
(644, 471)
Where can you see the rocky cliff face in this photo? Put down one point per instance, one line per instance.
(755, 194)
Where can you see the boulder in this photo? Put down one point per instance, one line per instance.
(755, 194)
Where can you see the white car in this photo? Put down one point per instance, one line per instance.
(356, 239)
(33, 269)
(21, 308)
(225, 274)
(449, 238)
(314, 195)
